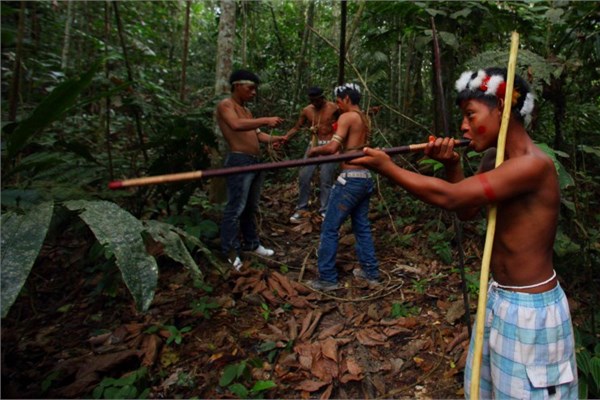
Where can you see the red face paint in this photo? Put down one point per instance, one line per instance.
(487, 188)
(481, 130)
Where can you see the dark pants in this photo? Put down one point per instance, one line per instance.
(243, 194)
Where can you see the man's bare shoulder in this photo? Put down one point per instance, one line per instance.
(307, 110)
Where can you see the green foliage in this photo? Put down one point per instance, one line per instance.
(403, 310)
(176, 334)
(130, 386)
(441, 246)
(265, 311)
(55, 105)
(121, 234)
(170, 237)
(22, 237)
(233, 376)
(203, 307)
(588, 364)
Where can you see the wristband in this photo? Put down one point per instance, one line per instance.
(337, 138)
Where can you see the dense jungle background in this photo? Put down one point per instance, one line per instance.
(123, 294)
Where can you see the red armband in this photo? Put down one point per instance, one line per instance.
(487, 188)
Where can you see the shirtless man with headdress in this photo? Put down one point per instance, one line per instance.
(321, 114)
(350, 195)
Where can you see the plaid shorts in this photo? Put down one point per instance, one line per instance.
(528, 347)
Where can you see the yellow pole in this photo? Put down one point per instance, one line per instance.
(491, 225)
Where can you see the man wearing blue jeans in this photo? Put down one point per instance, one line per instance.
(321, 115)
(349, 196)
(243, 135)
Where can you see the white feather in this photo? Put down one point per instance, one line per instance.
(493, 84)
(528, 104)
(463, 81)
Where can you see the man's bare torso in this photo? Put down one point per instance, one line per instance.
(238, 141)
(321, 120)
(525, 231)
(357, 134)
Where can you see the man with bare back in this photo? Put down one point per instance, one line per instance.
(321, 115)
(243, 135)
(528, 349)
(350, 195)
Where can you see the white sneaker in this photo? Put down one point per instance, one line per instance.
(296, 218)
(236, 263)
(262, 251)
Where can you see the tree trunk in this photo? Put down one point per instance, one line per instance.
(244, 49)
(107, 101)
(303, 60)
(15, 86)
(439, 106)
(186, 42)
(65, 50)
(225, 47)
(136, 111)
(342, 43)
(355, 24)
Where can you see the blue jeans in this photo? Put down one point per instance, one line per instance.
(349, 199)
(243, 194)
(326, 175)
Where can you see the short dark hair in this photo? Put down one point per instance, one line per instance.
(315, 91)
(243, 75)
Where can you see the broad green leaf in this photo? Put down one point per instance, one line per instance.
(49, 110)
(554, 14)
(563, 245)
(121, 233)
(595, 150)
(564, 178)
(260, 386)
(21, 240)
(584, 361)
(173, 245)
(21, 198)
(583, 387)
(230, 372)
(239, 390)
(595, 370)
(449, 39)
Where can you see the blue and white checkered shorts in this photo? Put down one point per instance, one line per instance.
(528, 347)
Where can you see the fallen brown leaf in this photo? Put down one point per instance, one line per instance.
(310, 385)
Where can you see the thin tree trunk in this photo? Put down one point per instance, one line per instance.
(355, 24)
(244, 49)
(15, 87)
(136, 111)
(186, 42)
(225, 47)
(282, 52)
(303, 60)
(66, 41)
(399, 79)
(440, 111)
(342, 43)
(107, 102)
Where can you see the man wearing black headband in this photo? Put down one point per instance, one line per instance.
(320, 114)
(243, 135)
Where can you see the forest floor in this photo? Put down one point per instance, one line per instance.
(255, 333)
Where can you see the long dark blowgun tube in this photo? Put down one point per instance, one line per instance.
(186, 176)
